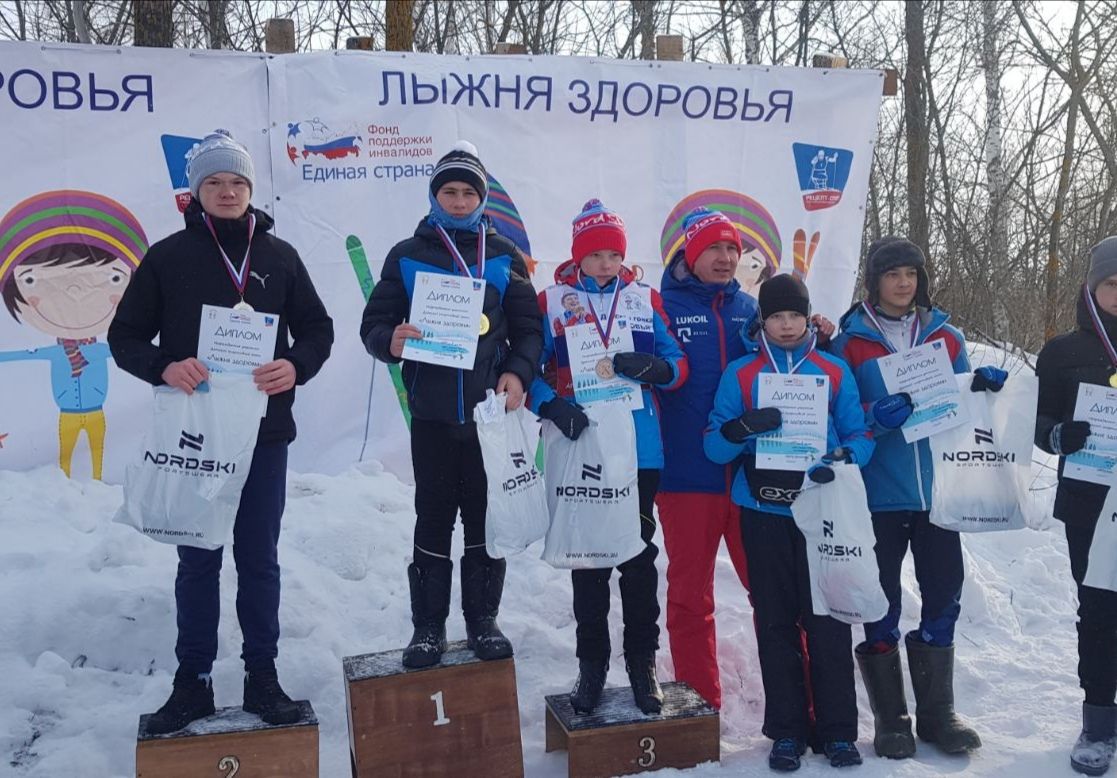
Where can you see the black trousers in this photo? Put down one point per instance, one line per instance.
(1097, 624)
(938, 569)
(639, 582)
(781, 594)
(449, 478)
(255, 538)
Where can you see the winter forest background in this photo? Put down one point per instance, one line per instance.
(998, 155)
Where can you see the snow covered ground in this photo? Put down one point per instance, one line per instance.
(87, 631)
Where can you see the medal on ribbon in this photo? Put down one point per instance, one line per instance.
(459, 260)
(1103, 336)
(238, 277)
(916, 326)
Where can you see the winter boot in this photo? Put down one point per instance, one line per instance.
(265, 697)
(191, 699)
(586, 693)
(1093, 752)
(785, 754)
(884, 681)
(842, 753)
(932, 678)
(645, 686)
(482, 586)
(430, 605)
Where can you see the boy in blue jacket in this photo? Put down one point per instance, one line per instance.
(605, 290)
(776, 549)
(898, 315)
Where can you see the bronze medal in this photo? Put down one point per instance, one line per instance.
(604, 369)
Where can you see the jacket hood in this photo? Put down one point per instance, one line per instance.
(193, 216)
(427, 231)
(677, 276)
(568, 273)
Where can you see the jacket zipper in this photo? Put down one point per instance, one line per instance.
(721, 352)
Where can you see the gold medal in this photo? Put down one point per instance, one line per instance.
(484, 324)
(604, 369)
(1113, 380)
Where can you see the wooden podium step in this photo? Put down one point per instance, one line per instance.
(459, 718)
(619, 739)
(231, 744)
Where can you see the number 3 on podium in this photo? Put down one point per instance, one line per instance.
(647, 747)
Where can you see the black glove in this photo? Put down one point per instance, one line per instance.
(568, 417)
(1069, 437)
(822, 473)
(645, 368)
(750, 423)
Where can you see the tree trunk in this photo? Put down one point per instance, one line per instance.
(400, 23)
(645, 26)
(154, 23)
(750, 28)
(216, 28)
(996, 233)
(81, 23)
(916, 128)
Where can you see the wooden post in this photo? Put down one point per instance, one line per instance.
(829, 60)
(279, 36)
(669, 48)
(505, 47)
(359, 43)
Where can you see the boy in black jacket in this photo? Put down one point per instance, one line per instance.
(449, 472)
(1085, 356)
(226, 241)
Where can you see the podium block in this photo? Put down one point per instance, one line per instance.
(459, 718)
(231, 743)
(618, 739)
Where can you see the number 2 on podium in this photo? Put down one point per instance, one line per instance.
(439, 709)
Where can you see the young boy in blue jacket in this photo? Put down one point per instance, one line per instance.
(776, 549)
(605, 289)
(897, 315)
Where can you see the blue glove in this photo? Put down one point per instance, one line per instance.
(988, 379)
(892, 411)
(822, 473)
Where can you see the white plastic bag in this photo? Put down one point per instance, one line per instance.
(184, 488)
(592, 493)
(1101, 565)
(982, 467)
(835, 520)
(517, 507)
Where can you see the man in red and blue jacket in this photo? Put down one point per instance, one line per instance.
(706, 309)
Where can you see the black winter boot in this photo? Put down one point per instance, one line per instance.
(482, 586)
(884, 681)
(430, 605)
(645, 686)
(1094, 750)
(265, 697)
(191, 699)
(932, 678)
(586, 694)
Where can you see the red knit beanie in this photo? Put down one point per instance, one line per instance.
(704, 228)
(597, 228)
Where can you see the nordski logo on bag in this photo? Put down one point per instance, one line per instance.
(191, 441)
(592, 472)
(827, 529)
(982, 436)
(518, 459)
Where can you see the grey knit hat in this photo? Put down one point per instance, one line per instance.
(1103, 262)
(219, 153)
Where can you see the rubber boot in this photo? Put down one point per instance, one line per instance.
(1093, 752)
(932, 678)
(884, 681)
(430, 605)
(482, 586)
(586, 694)
(645, 686)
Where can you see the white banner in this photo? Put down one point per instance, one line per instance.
(343, 144)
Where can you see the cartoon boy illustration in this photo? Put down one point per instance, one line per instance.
(573, 312)
(65, 259)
